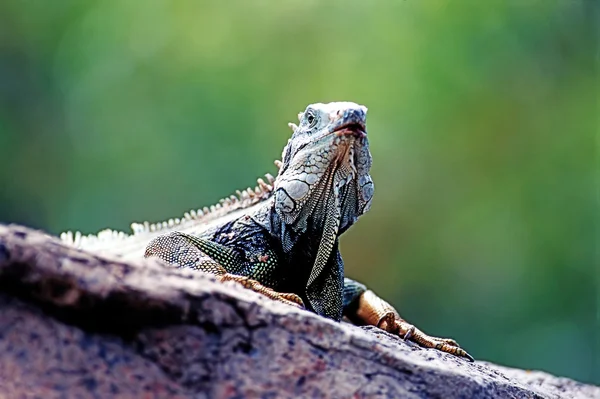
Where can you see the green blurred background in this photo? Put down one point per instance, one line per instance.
(482, 122)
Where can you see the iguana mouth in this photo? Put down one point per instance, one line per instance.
(355, 129)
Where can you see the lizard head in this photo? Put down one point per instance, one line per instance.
(326, 159)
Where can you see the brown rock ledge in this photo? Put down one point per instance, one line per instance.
(75, 324)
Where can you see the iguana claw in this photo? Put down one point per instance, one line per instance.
(373, 310)
(287, 298)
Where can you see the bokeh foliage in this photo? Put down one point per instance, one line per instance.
(483, 127)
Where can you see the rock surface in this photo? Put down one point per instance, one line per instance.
(75, 324)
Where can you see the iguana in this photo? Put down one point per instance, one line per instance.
(281, 239)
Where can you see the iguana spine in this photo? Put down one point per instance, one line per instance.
(115, 241)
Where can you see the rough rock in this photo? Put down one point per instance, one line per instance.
(75, 324)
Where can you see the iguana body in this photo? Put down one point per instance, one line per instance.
(282, 240)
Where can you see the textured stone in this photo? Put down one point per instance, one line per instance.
(75, 324)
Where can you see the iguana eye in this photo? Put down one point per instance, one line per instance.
(311, 118)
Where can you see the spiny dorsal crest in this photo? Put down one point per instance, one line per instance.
(242, 199)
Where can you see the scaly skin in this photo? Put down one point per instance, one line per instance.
(286, 247)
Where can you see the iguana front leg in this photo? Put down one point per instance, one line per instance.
(184, 250)
(362, 306)
(246, 282)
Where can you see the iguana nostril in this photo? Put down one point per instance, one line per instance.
(335, 115)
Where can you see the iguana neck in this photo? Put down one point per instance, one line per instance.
(331, 210)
